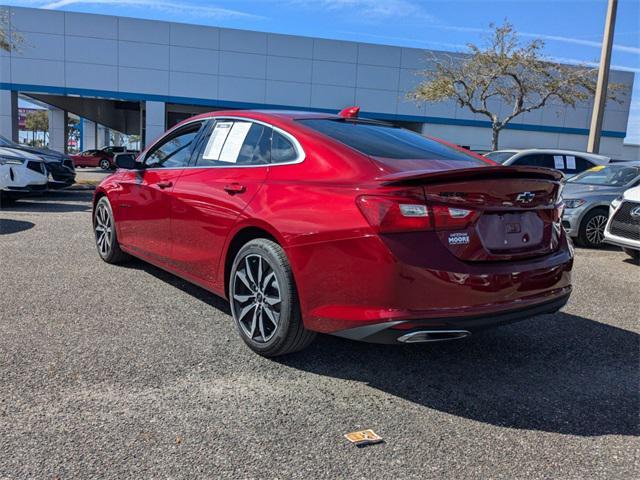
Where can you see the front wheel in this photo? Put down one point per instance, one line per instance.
(264, 300)
(105, 164)
(104, 228)
(634, 254)
(591, 233)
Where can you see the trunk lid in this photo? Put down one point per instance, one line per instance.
(491, 213)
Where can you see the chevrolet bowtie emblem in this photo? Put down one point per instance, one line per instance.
(525, 197)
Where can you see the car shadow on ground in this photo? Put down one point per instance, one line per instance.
(556, 373)
(52, 202)
(177, 282)
(8, 226)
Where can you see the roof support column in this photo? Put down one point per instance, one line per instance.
(9, 114)
(88, 134)
(155, 121)
(58, 120)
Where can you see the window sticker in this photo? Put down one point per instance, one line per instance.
(571, 162)
(216, 140)
(597, 168)
(558, 162)
(234, 142)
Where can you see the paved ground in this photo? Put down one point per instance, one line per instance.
(93, 175)
(114, 372)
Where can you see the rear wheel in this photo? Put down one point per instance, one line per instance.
(105, 164)
(634, 254)
(591, 233)
(264, 300)
(105, 233)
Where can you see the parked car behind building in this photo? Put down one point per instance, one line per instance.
(102, 157)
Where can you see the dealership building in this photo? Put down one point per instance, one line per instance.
(140, 77)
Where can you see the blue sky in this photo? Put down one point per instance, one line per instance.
(572, 29)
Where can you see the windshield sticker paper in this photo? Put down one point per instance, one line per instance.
(571, 162)
(216, 141)
(234, 142)
(558, 161)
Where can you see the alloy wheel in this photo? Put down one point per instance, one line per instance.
(103, 229)
(595, 229)
(104, 164)
(256, 299)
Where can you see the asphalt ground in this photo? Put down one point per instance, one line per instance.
(129, 372)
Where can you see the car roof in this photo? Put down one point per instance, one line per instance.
(266, 114)
(625, 163)
(560, 151)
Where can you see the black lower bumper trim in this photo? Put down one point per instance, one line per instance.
(384, 333)
(27, 189)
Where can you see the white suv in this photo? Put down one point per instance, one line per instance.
(623, 227)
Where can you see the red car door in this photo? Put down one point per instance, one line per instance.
(144, 201)
(231, 164)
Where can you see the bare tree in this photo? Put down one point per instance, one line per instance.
(8, 42)
(506, 70)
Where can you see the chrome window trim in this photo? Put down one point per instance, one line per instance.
(301, 154)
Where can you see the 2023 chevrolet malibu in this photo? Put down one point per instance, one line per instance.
(311, 222)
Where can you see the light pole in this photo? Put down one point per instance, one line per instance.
(600, 99)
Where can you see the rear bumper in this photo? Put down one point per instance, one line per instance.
(390, 332)
(367, 281)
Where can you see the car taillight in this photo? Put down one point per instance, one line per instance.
(558, 211)
(389, 214)
(452, 218)
(394, 214)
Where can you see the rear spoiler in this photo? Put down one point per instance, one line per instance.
(475, 173)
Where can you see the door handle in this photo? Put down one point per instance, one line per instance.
(164, 185)
(233, 188)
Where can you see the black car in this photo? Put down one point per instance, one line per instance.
(60, 166)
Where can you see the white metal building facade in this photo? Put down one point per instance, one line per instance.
(165, 67)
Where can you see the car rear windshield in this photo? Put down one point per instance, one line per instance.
(386, 141)
(499, 157)
(610, 175)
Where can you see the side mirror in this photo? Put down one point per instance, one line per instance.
(126, 161)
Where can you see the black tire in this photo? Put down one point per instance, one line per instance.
(264, 257)
(634, 254)
(105, 164)
(595, 219)
(107, 244)
(6, 199)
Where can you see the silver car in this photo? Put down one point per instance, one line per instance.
(587, 197)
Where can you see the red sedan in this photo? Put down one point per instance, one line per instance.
(311, 222)
(102, 158)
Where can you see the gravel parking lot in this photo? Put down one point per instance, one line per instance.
(114, 372)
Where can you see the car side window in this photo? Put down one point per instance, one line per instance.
(282, 150)
(236, 143)
(583, 164)
(175, 150)
(535, 161)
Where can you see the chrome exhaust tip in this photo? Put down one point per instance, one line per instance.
(423, 336)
